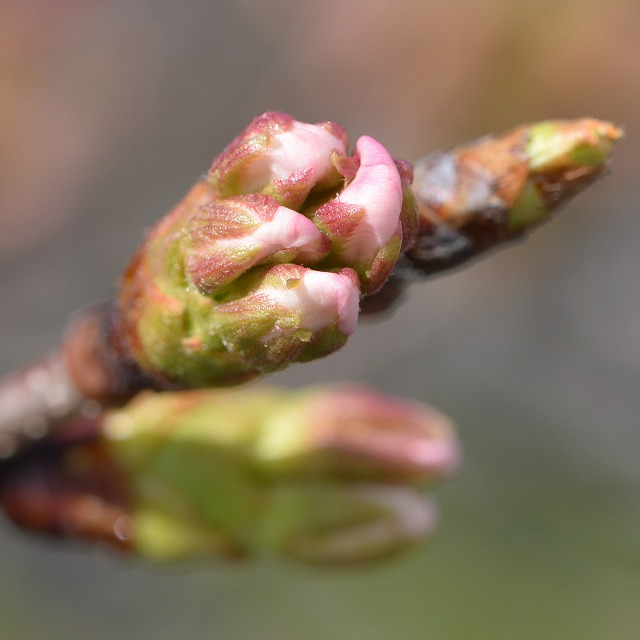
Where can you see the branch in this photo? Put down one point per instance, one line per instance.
(263, 263)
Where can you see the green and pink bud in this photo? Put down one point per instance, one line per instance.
(354, 431)
(331, 475)
(287, 313)
(364, 219)
(281, 157)
(264, 261)
(227, 237)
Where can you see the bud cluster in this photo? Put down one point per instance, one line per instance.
(327, 475)
(265, 260)
(300, 473)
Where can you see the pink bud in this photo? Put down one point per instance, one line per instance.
(364, 219)
(229, 236)
(377, 190)
(353, 430)
(322, 298)
(233, 294)
(288, 313)
(280, 156)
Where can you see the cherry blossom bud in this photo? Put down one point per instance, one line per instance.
(264, 261)
(288, 313)
(352, 430)
(230, 236)
(363, 220)
(281, 157)
(324, 475)
(327, 475)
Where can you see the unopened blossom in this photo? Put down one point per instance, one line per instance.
(327, 475)
(288, 313)
(264, 261)
(227, 237)
(364, 233)
(281, 157)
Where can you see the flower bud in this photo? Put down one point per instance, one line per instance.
(338, 525)
(281, 157)
(264, 261)
(352, 431)
(325, 475)
(363, 220)
(228, 237)
(287, 313)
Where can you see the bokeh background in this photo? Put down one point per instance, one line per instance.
(108, 112)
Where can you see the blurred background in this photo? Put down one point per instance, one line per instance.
(110, 110)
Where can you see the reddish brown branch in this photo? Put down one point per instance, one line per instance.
(84, 374)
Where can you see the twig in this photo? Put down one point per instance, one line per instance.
(32, 399)
(196, 307)
(85, 373)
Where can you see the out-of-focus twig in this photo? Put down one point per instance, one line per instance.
(85, 373)
(31, 399)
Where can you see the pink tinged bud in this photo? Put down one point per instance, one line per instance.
(405, 439)
(230, 236)
(291, 230)
(364, 219)
(290, 313)
(282, 157)
(354, 431)
(377, 189)
(305, 148)
(321, 298)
